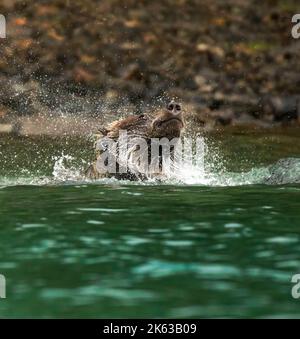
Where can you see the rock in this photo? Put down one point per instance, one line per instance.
(224, 117)
(9, 128)
(8, 4)
(83, 76)
(3, 112)
(282, 108)
(203, 84)
(133, 72)
(6, 128)
(213, 50)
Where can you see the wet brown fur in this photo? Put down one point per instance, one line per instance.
(164, 124)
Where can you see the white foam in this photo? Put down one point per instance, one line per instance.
(65, 172)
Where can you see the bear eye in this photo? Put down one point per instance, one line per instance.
(171, 107)
(178, 108)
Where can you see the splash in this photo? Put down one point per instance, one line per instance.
(66, 167)
(62, 174)
(198, 176)
(63, 171)
(285, 171)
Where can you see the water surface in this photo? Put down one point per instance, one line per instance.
(227, 247)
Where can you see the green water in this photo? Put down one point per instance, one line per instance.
(71, 248)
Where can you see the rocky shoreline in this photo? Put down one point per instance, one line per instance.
(229, 64)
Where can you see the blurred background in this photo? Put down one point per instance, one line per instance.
(230, 62)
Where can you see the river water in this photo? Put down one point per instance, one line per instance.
(218, 243)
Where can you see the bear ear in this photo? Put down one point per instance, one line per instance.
(103, 131)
